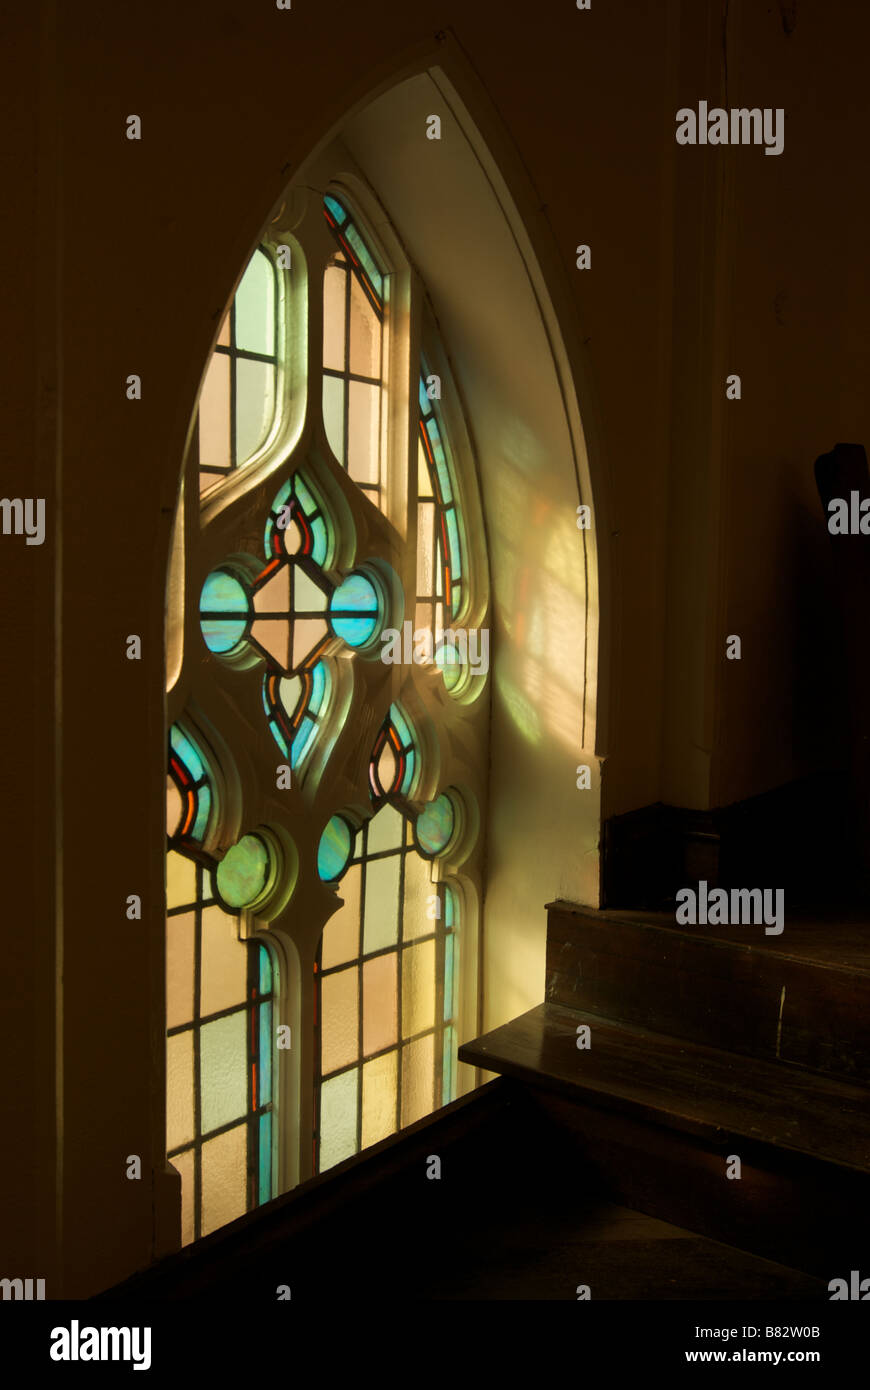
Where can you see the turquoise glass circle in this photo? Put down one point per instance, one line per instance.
(224, 609)
(355, 610)
(436, 824)
(333, 852)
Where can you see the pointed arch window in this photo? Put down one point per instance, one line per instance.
(303, 565)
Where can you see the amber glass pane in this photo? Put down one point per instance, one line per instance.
(214, 414)
(180, 880)
(184, 1164)
(179, 968)
(339, 1000)
(379, 1003)
(224, 962)
(341, 934)
(333, 317)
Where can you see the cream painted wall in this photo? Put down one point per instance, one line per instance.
(467, 242)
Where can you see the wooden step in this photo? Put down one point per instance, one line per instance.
(801, 998)
(656, 1119)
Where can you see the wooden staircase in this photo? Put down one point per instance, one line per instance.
(708, 1044)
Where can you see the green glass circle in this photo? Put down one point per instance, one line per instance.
(435, 825)
(244, 872)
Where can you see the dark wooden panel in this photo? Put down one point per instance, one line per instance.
(788, 1211)
(696, 1090)
(802, 997)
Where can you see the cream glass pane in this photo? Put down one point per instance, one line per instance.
(386, 829)
(363, 432)
(338, 1115)
(180, 880)
(339, 1028)
(379, 1003)
(179, 1090)
(423, 616)
(308, 597)
(223, 1064)
(274, 597)
(214, 413)
(224, 334)
(365, 333)
(224, 966)
(308, 633)
(341, 933)
(379, 1098)
(419, 888)
(426, 548)
(424, 482)
(381, 912)
(174, 807)
(183, 1163)
(224, 1178)
(290, 690)
(387, 765)
(179, 968)
(273, 634)
(333, 317)
(333, 414)
(255, 405)
(255, 307)
(418, 1079)
(418, 988)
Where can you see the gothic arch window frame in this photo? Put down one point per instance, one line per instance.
(210, 538)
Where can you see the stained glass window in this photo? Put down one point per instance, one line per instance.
(386, 979)
(353, 318)
(292, 582)
(238, 397)
(219, 1052)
